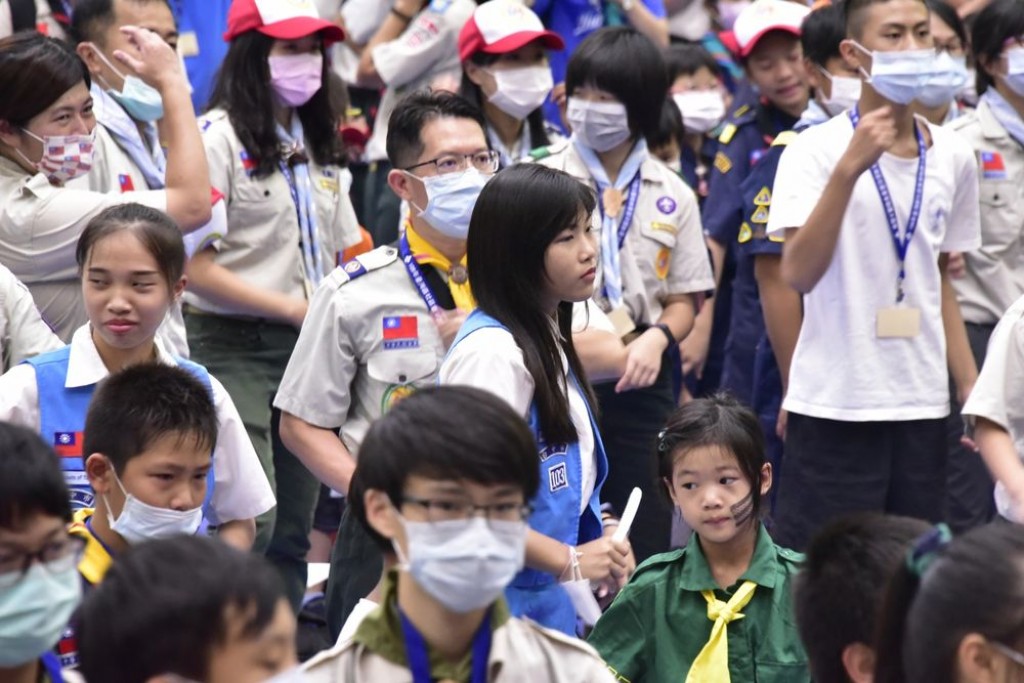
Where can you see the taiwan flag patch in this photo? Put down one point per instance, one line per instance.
(992, 166)
(401, 332)
(125, 181)
(248, 163)
(68, 444)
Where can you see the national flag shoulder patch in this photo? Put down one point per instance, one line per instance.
(68, 444)
(992, 166)
(400, 332)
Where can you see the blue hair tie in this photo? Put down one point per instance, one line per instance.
(926, 549)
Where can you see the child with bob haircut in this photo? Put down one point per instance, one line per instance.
(719, 608)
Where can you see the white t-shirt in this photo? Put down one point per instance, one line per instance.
(490, 359)
(841, 370)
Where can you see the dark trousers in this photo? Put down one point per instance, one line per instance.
(630, 423)
(356, 565)
(970, 487)
(249, 358)
(835, 468)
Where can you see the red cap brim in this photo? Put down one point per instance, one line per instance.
(786, 28)
(300, 27)
(550, 40)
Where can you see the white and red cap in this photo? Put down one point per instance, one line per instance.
(280, 19)
(763, 16)
(501, 26)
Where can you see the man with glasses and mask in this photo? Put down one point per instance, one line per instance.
(379, 325)
(445, 477)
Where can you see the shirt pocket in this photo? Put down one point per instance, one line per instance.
(778, 672)
(1001, 218)
(396, 367)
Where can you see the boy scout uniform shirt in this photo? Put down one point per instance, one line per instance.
(663, 253)
(659, 622)
(23, 333)
(367, 342)
(262, 244)
(995, 272)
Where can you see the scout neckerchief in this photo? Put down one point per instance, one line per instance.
(294, 166)
(419, 660)
(610, 197)
(416, 251)
(524, 143)
(145, 153)
(1005, 114)
(712, 663)
(902, 245)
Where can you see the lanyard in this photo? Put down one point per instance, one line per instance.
(632, 197)
(51, 663)
(902, 245)
(416, 275)
(298, 183)
(419, 662)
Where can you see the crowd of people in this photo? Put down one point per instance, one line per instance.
(570, 340)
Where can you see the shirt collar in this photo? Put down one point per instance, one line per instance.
(85, 367)
(991, 128)
(763, 570)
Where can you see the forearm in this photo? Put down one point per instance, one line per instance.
(998, 452)
(187, 179)
(219, 285)
(679, 314)
(545, 553)
(651, 26)
(390, 29)
(238, 533)
(958, 349)
(783, 311)
(320, 450)
(602, 354)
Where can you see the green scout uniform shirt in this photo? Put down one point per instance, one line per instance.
(658, 624)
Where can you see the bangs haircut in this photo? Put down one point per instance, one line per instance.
(135, 407)
(165, 606)
(31, 480)
(821, 33)
(626, 64)
(411, 115)
(35, 71)
(157, 232)
(854, 10)
(686, 59)
(1000, 21)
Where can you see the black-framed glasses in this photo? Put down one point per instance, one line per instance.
(485, 162)
(457, 510)
(56, 556)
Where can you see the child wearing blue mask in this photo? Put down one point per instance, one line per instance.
(39, 588)
(870, 204)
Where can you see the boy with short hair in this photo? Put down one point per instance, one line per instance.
(445, 477)
(839, 591)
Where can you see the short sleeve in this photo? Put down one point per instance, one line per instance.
(963, 229)
(798, 186)
(421, 46)
(1000, 382)
(619, 637)
(489, 359)
(219, 156)
(26, 335)
(19, 397)
(690, 270)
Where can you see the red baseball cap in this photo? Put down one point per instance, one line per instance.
(764, 16)
(501, 26)
(281, 19)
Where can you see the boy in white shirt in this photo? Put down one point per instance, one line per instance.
(870, 205)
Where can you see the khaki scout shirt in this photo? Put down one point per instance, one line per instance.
(23, 333)
(664, 252)
(343, 372)
(995, 272)
(262, 242)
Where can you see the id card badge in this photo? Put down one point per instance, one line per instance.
(621, 321)
(898, 322)
(188, 44)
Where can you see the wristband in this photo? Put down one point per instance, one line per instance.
(404, 17)
(668, 333)
(572, 570)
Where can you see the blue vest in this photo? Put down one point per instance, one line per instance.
(62, 413)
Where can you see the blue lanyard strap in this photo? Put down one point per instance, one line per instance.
(416, 275)
(902, 245)
(51, 663)
(419, 661)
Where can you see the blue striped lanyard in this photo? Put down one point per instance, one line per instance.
(302, 196)
(419, 661)
(416, 275)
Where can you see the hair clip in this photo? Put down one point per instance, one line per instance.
(926, 549)
(662, 441)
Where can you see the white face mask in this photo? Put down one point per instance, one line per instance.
(521, 91)
(450, 200)
(464, 564)
(946, 80)
(601, 126)
(702, 110)
(1014, 77)
(140, 522)
(899, 76)
(845, 93)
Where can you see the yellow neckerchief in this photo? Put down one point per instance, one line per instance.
(427, 254)
(712, 663)
(95, 559)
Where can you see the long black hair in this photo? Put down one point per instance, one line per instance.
(993, 26)
(518, 214)
(243, 90)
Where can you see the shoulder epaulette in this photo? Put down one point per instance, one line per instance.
(784, 138)
(728, 131)
(364, 263)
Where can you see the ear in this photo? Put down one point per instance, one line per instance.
(671, 490)
(976, 660)
(766, 478)
(400, 183)
(474, 72)
(100, 473)
(815, 79)
(87, 51)
(854, 56)
(380, 513)
(989, 65)
(10, 135)
(179, 288)
(859, 662)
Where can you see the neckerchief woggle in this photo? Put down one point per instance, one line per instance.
(419, 661)
(902, 245)
(302, 195)
(416, 275)
(614, 237)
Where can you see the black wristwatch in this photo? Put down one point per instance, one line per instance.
(668, 333)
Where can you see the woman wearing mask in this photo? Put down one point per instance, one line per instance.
(505, 72)
(653, 266)
(941, 100)
(47, 132)
(275, 154)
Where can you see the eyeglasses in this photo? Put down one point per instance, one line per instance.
(451, 510)
(485, 162)
(57, 556)
(1008, 652)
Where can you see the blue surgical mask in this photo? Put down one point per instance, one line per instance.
(1014, 77)
(35, 610)
(450, 200)
(140, 521)
(899, 76)
(945, 82)
(142, 102)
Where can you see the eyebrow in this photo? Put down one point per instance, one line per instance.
(18, 546)
(104, 271)
(720, 468)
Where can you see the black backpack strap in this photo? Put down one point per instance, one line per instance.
(23, 15)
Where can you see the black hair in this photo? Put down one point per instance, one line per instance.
(414, 112)
(1000, 21)
(136, 406)
(975, 584)
(686, 59)
(821, 32)
(445, 433)
(35, 71)
(853, 14)
(950, 18)
(506, 267)
(720, 422)
(625, 63)
(31, 481)
(157, 232)
(838, 592)
(165, 607)
(92, 18)
(472, 93)
(670, 127)
(242, 89)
